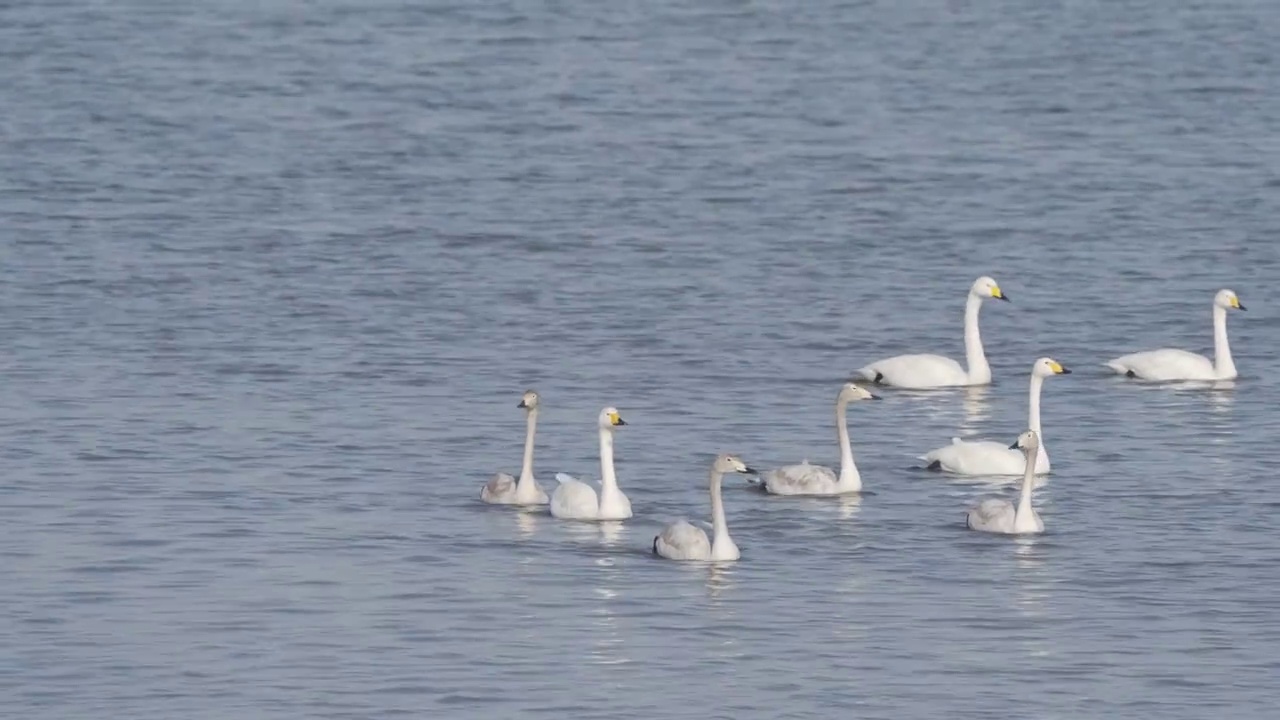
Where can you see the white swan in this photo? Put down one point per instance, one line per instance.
(576, 500)
(502, 489)
(992, 458)
(1173, 364)
(997, 515)
(933, 371)
(806, 479)
(682, 541)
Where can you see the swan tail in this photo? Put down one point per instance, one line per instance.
(1118, 367)
(564, 478)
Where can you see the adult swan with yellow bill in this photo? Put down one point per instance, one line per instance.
(1174, 364)
(992, 458)
(934, 371)
(576, 500)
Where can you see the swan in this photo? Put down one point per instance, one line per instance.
(1173, 364)
(992, 458)
(682, 541)
(934, 371)
(997, 515)
(576, 500)
(806, 479)
(502, 489)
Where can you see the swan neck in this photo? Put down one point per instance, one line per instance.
(1028, 478)
(719, 527)
(608, 481)
(526, 467)
(1223, 365)
(1033, 406)
(978, 369)
(848, 470)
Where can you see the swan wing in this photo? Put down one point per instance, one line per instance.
(982, 457)
(916, 371)
(1164, 364)
(574, 499)
(802, 479)
(991, 515)
(501, 488)
(682, 541)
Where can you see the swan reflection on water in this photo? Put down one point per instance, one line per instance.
(1032, 581)
(527, 522)
(850, 505)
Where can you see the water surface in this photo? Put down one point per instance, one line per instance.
(277, 274)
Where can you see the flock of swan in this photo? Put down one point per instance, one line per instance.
(577, 500)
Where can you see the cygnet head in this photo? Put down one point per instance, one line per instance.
(1228, 300)
(1028, 442)
(731, 464)
(853, 391)
(1048, 367)
(529, 400)
(609, 418)
(985, 287)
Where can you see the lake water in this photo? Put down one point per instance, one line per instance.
(277, 273)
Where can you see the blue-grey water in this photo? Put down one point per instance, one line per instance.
(275, 275)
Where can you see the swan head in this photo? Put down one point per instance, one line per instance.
(1048, 367)
(1228, 300)
(1028, 442)
(986, 287)
(731, 464)
(853, 391)
(529, 400)
(610, 419)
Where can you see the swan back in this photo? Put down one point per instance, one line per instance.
(574, 499)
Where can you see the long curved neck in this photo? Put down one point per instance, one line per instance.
(1223, 365)
(1028, 476)
(979, 370)
(849, 477)
(608, 481)
(526, 469)
(1033, 405)
(719, 527)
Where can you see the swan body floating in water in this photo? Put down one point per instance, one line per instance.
(682, 540)
(503, 489)
(997, 515)
(984, 457)
(807, 479)
(934, 371)
(1173, 364)
(576, 500)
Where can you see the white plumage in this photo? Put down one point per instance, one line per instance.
(923, 371)
(1169, 364)
(576, 500)
(984, 457)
